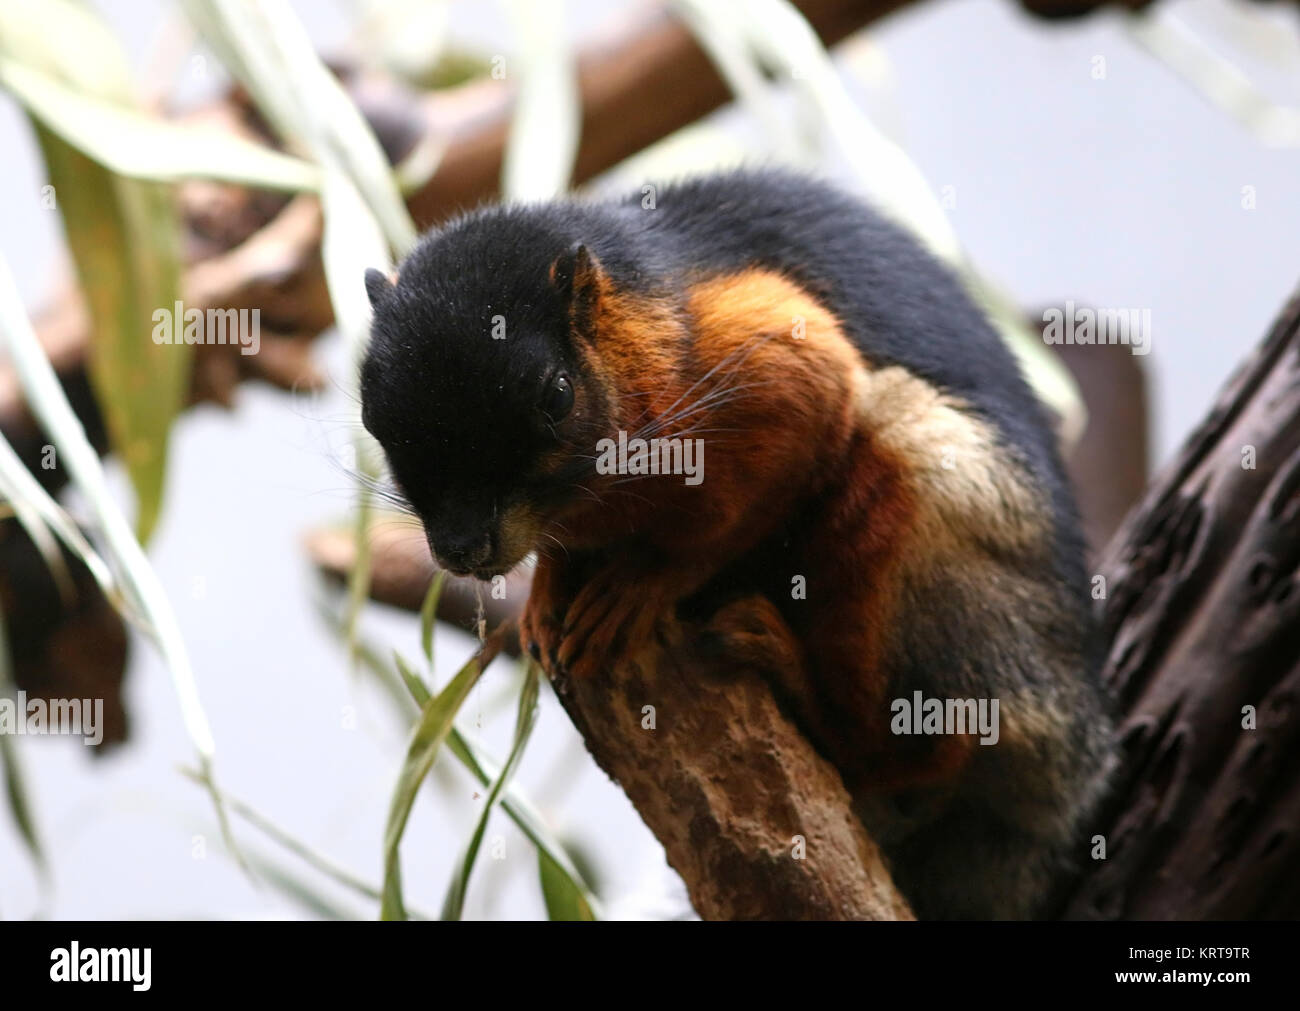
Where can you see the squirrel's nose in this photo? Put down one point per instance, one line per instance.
(462, 553)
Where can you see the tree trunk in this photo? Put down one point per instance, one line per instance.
(1202, 617)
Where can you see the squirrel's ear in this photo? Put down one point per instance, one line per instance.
(577, 276)
(377, 286)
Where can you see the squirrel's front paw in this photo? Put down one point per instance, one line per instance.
(614, 614)
(541, 627)
(540, 634)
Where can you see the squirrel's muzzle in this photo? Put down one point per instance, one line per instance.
(462, 554)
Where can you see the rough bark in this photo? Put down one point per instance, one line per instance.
(757, 824)
(1202, 618)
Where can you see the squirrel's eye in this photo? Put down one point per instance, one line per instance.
(558, 401)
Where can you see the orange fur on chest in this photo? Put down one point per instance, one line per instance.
(753, 368)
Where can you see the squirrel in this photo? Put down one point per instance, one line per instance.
(883, 519)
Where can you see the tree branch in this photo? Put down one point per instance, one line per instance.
(730, 787)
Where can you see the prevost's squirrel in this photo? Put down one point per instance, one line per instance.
(882, 519)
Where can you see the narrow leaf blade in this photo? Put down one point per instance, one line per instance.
(454, 904)
(563, 900)
(428, 612)
(132, 143)
(430, 731)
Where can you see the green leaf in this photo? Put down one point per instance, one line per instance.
(359, 576)
(292, 885)
(68, 39)
(269, 50)
(563, 900)
(525, 816)
(19, 805)
(132, 143)
(37, 511)
(454, 904)
(543, 142)
(428, 612)
(473, 757)
(124, 237)
(483, 767)
(15, 783)
(27, 499)
(714, 29)
(414, 683)
(430, 731)
(351, 243)
(125, 242)
(278, 875)
(139, 582)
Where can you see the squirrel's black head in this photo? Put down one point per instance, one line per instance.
(475, 383)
